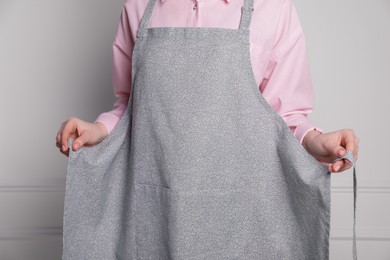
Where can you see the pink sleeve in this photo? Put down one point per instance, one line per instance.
(287, 83)
(121, 72)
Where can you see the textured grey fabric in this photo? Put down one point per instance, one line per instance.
(200, 166)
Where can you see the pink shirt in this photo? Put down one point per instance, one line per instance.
(277, 46)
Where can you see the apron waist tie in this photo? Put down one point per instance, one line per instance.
(349, 156)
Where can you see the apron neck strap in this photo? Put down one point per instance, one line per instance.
(246, 15)
(245, 20)
(146, 17)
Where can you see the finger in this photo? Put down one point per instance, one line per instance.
(69, 127)
(355, 150)
(58, 137)
(335, 167)
(80, 141)
(356, 147)
(346, 166)
(65, 153)
(349, 140)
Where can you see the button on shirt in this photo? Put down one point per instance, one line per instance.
(277, 47)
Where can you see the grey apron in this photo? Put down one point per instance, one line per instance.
(200, 166)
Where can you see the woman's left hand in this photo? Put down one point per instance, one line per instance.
(327, 147)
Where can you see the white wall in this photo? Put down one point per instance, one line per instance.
(55, 61)
(349, 53)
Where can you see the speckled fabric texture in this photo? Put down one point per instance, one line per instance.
(200, 166)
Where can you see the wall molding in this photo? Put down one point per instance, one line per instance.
(36, 184)
(362, 234)
(31, 189)
(57, 184)
(29, 233)
(366, 234)
(364, 186)
(361, 189)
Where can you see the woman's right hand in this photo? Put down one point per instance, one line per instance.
(82, 133)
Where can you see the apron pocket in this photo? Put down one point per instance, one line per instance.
(151, 236)
(213, 223)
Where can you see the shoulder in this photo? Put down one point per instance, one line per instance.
(135, 6)
(131, 14)
(271, 9)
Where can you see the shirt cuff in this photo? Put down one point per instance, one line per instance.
(302, 129)
(108, 120)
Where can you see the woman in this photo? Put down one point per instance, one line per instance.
(199, 127)
(324, 147)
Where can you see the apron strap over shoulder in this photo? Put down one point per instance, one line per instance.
(349, 156)
(146, 17)
(246, 16)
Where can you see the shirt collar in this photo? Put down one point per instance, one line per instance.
(162, 1)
